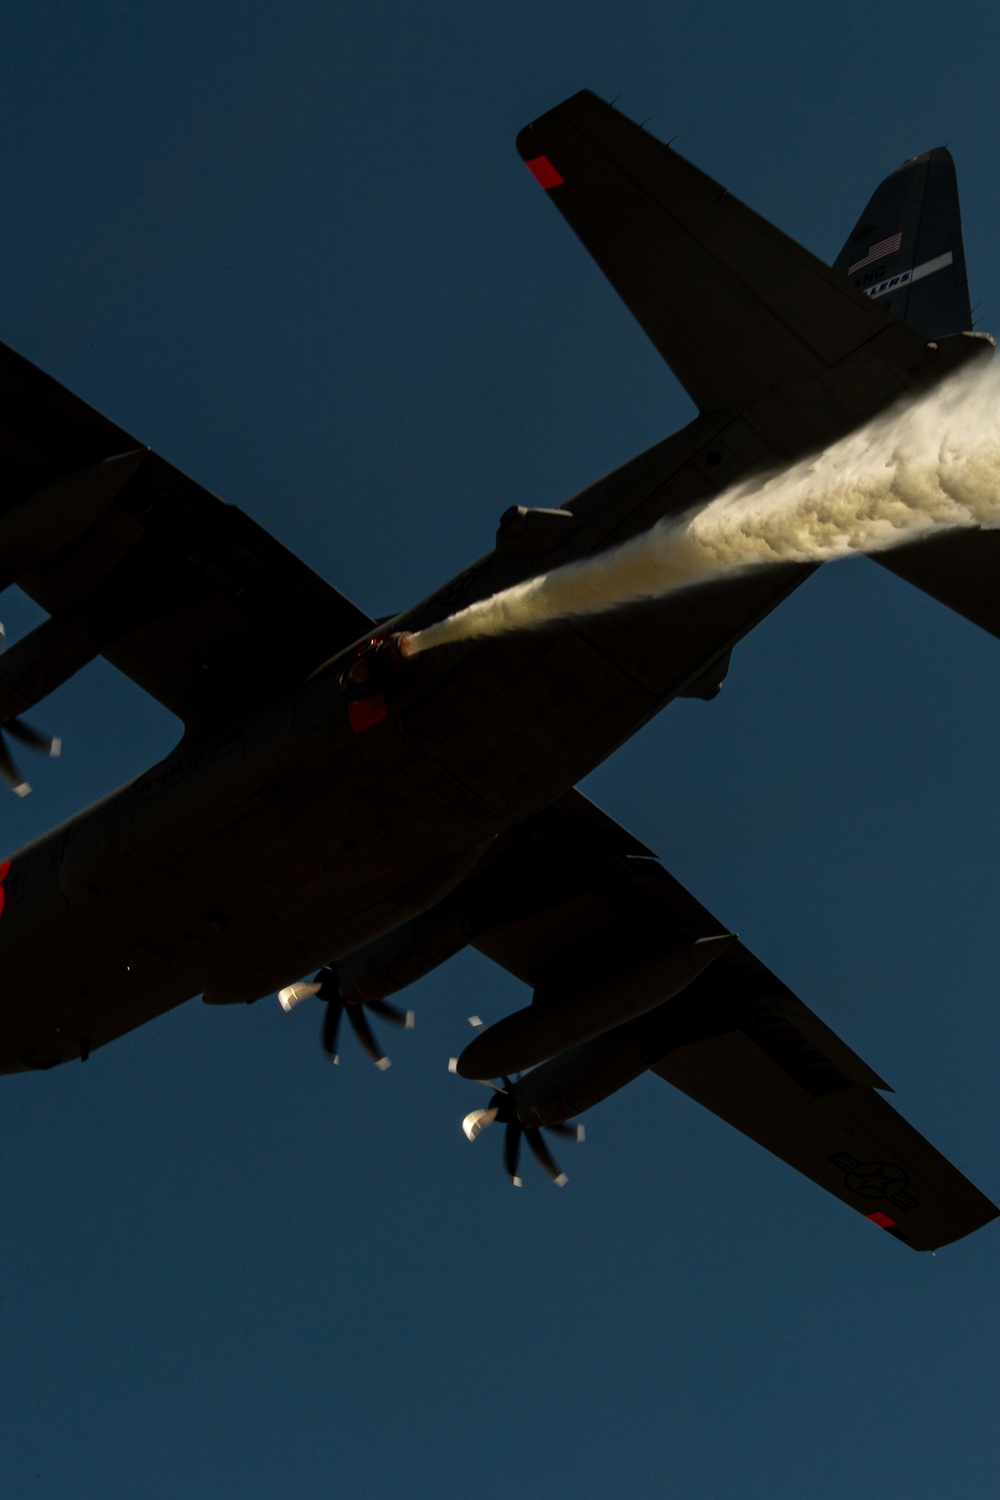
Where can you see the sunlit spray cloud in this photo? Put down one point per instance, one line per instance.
(930, 465)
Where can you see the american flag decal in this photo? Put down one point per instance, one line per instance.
(877, 252)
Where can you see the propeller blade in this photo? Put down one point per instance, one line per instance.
(392, 1014)
(331, 1026)
(365, 1035)
(568, 1132)
(45, 744)
(544, 1158)
(9, 771)
(512, 1150)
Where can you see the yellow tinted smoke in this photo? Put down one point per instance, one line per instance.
(930, 465)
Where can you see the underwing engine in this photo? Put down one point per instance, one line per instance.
(503, 1107)
(326, 987)
(13, 725)
(561, 1017)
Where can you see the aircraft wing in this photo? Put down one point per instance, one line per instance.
(753, 1057)
(737, 1040)
(186, 595)
(570, 893)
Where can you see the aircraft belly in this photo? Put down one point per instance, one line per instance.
(520, 718)
(517, 719)
(512, 726)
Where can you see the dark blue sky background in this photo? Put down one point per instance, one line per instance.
(294, 250)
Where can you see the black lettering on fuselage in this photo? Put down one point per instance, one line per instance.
(870, 277)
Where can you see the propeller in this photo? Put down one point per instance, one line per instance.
(326, 986)
(43, 743)
(503, 1107)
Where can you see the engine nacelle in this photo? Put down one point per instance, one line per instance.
(568, 1085)
(556, 1021)
(580, 1078)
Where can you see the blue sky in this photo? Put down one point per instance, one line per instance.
(294, 250)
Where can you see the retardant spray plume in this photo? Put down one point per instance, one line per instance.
(932, 464)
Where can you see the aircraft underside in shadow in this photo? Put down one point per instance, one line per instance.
(403, 809)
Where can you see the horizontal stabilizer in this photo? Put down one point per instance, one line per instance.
(960, 569)
(745, 317)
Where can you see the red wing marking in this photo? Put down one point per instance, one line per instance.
(4, 872)
(882, 1220)
(544, 173)
(364, 712)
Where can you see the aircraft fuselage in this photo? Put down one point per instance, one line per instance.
(253, 854)
(295, 836)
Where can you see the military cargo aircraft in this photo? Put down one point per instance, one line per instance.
(334, 809)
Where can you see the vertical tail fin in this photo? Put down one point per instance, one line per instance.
(906, 249)
(906, 252)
